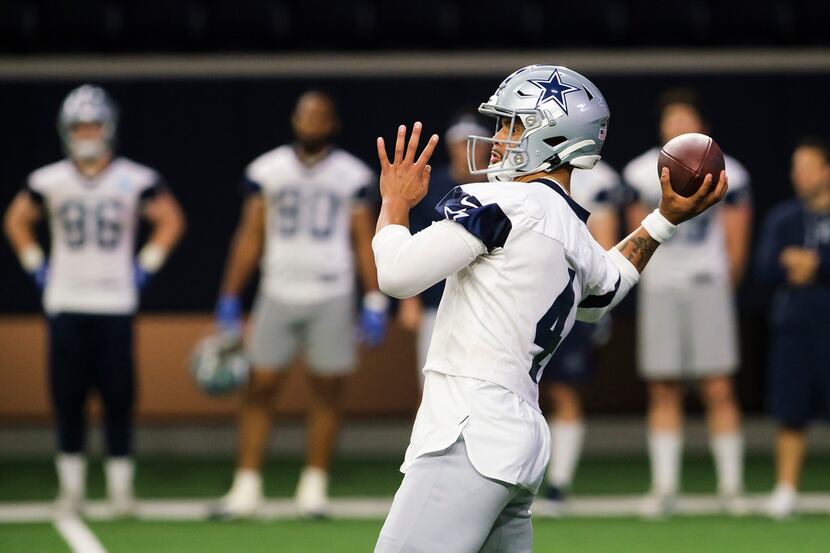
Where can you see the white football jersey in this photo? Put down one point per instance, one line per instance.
(595, 189)
(698, 250)
(93, 224)
(308, 250)
(502, 317)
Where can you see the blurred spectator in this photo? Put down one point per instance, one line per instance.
(686, 315)
(417, 314)
(794, 260)
(597, 190)
(90, 282)
(304, 222)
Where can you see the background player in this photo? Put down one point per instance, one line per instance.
(794, 258)
(92, 200)
(521, 266)
(598, 191)
(686, 316)
(303, 222)
(417, 314)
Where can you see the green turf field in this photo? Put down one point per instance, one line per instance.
(181, 478)
(35, 480)
(682, 535)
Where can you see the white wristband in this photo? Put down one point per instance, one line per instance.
(375, 301)
(152, 257)
(32, 258)
(658, 227)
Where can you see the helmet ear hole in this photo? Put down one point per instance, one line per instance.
(554, 141)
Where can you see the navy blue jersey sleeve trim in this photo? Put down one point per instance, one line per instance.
(735, 197)
(250, 186)
(628, 194)
(488, 222)
(36, 196)
(153, 190)
(361, 194)
(602, 197)
(594, 302)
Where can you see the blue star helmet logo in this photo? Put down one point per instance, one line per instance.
(554, 88)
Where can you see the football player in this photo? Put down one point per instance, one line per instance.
(686, 317)
(304, 222)
(794, 261)
(598, 191)
(521, 267)
(91, 281)
(417, 314)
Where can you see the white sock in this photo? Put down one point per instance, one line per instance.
(728, 451)
(785, 489)
(313, 478)
(664, 449)
(71, 468)
(312, 490)
(566, 447)
(120, 472)
(246, 482)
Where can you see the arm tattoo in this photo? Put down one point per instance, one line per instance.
(638, 248)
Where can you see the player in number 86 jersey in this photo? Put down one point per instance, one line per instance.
(92, 200)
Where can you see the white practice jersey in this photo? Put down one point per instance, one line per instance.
(502, 317)
(308, 250)
(596, 189)
(697, 251)
(521, 267)
(93, 225)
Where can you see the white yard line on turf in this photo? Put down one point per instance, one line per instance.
(377, 508)
(78, 535)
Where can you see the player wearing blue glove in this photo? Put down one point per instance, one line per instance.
(92, 199)
(305, 223)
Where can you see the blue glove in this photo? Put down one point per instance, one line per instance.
(40, 276)
(373, 318)
(373, 326)
(142, 277)
(229, 315)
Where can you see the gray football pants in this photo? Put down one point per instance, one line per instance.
(445, 506)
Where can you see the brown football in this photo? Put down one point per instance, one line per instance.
(690, 157)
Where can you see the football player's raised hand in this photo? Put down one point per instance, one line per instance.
(405, 179)
(677, 208)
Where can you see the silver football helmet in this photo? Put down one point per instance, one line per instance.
(87, 104)
(218, 364)
(565, 120)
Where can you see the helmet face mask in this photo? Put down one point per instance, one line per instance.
(89, 145)
(84, 105)
(515, 156)
(564, 116)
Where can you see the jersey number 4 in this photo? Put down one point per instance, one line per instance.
(550, 330)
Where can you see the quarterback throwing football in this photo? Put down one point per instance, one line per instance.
(521, 267)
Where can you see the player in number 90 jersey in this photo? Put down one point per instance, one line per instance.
(305, 220)
(92, 201)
